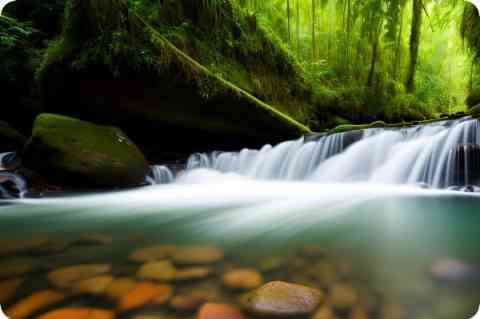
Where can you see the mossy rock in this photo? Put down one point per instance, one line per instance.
(81, 154)
(475, 111)
(10, 139)
(113, 67)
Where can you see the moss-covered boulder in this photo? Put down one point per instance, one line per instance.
(112, 66)
(10, 139)
(81, 154)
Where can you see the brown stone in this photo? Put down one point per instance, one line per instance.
(94, 240)
(281, 299)
(93, 286)
(153, 253)
(31, 304)
(195, 273)
(198, 255)
(78, 313)
(8, 289)
(157, 270)
(324, 312)
(242, 279)
(142, 294)
(343, 297)
(119, 287)
(219, 311)
(65, 277)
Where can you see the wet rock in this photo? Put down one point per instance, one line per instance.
(219, 311)
(65, 277)
(153, 253)
(195, 273)
(8, 289)
(242, 279)
(281, 299)
(342, 297)
(313, 251)
(82, 154)
(78, 313)
(198, 255)
(39, 300)
(15, 247)
(159, 270)
(323, 272)
(119, 287)
(271, 264)
(324, 312)
(9, 161)
(93, 286)
(15, 268)
(185, 304)
(359, 313)
(142, 294)
(394, 311)
(165, 293)
(93, 240)
(455, 271)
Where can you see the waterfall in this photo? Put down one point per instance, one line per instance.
(439, 155)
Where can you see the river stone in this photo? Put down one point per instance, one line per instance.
(119, 287)
(8, 289)
(324, 312)
(313, 251)
(82, 154)
(153, 253)
(194, 255)
(219, 311)
(185, 304)
(22, 246)
(323, 272)
(65, 277)
(78, 313)
(31, 304)
(342, 297)
(158, 270)
(395, 311)
(282, 299)
(93, 286)
(93, 240)
(15, 268)
(242, 279)
(142, 294)
(165, 293)
(195, 273)
(271, 264)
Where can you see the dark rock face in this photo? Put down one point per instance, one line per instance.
(46, 15)
(82, 154)
(10, 139)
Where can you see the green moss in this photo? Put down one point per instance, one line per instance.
(79, 153)
(166, 85)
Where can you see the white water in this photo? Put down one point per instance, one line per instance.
(420, 155)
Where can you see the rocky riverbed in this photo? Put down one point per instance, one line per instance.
(95, 276)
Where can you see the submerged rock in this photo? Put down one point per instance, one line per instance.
(8, 289)
(160, 270)
(197, 255)
(242, 279)
(342, 297)
(455, 271)
(79, 153)
(39, 300)
(78, 313)
(141, 295)
(219, 311)
(65, 277)
(281, 299)
(153, 253)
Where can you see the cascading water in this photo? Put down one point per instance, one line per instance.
(439, 155)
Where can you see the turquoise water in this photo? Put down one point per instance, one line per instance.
(390, 237)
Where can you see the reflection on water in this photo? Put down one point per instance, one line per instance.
(374, 251)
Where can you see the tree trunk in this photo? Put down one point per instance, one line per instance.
(398, 46)
(414, 44)
(298, 28)
(314, 17)
(289, 24)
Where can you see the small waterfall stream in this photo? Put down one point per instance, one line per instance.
(440, 155)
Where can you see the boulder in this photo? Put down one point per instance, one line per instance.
(163, 89)
(283, 300)
(82, 154)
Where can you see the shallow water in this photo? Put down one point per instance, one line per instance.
(383, 240)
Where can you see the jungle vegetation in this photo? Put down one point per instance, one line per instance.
(322, 62)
